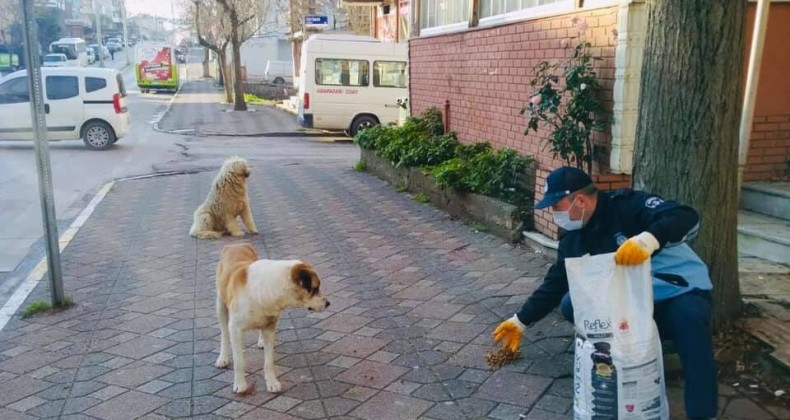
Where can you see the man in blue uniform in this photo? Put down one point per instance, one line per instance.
(636, 225)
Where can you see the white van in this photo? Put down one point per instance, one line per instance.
(350, 82)
(279, 72)
(80, 102)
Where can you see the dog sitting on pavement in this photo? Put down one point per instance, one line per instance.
(226, 200)
(251, 294)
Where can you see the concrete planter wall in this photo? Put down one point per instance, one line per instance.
(271, 92)
(498, 217)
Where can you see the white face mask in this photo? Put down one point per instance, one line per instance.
(563, 219)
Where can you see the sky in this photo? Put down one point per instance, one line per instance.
(152, 7)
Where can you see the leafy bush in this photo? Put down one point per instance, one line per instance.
(414, 144)
(467, 151)
(430, 151)
(475, 168)
(367, 138)
(491, 173)
(430, 121)
(572, 123)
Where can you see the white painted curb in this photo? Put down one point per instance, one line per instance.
(162, 115)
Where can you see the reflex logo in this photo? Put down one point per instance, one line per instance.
(624, 325)
(597, 325)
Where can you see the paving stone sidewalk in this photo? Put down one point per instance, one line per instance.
(198, 109)
(414, 296)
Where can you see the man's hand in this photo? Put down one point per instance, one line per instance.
(509, 332)
(637, 249)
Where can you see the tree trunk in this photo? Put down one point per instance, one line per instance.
(223, 68)
(206, 58)
(238, 82)
(687, 136)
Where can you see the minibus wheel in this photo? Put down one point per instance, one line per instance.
(362, 122)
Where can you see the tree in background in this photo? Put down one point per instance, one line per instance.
(211, 27)
(244, 17)
(50, 25)
(687, 135)
(10, 35)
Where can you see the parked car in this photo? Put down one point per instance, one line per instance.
(279, 72)
(91, 56)
(85, 103)
(55, 60)
(95, 48)
(114, 46)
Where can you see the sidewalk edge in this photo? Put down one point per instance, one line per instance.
(31, 281)
(164, 113)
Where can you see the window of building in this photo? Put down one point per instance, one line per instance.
(341, 72)
(389, 74)
(434, 13)
(490, 8)
(62, 87)
(439, 16)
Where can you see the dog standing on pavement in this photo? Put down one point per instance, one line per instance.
(251, 294)
(226, 200)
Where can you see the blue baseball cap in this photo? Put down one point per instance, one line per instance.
(561, 182)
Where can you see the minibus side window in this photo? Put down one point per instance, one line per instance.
(389, 74)
(341, 72)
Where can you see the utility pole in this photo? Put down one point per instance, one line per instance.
(42, 151)
(173, 23)
(98, 35)
(126, 45)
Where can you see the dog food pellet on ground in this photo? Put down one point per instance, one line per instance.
(501, 357)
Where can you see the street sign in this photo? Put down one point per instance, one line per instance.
(316, 22)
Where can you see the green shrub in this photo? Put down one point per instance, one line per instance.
(411, 146)
(430, 121)
(467, 151)
(476, 167)
(367, 138)
(495, 174)
(452, 174)
(429, 151)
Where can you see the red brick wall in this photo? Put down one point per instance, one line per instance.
(485, 74)
(769, 148)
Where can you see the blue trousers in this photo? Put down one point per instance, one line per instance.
(685, 319)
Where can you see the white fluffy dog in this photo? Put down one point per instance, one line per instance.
(226, 200)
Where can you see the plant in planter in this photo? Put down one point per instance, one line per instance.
(571, 111)
(481, 170)
(419, 142)
(501, 199)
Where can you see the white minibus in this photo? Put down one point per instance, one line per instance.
(350, 82)
(75, 49)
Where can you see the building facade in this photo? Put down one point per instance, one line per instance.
(475, 58)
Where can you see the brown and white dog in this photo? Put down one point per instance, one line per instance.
(251, 294)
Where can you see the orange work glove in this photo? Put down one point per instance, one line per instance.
(637, 249)
(509, 332)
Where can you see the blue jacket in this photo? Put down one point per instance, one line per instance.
(618, 216)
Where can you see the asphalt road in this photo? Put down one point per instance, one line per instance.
(76, 171)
